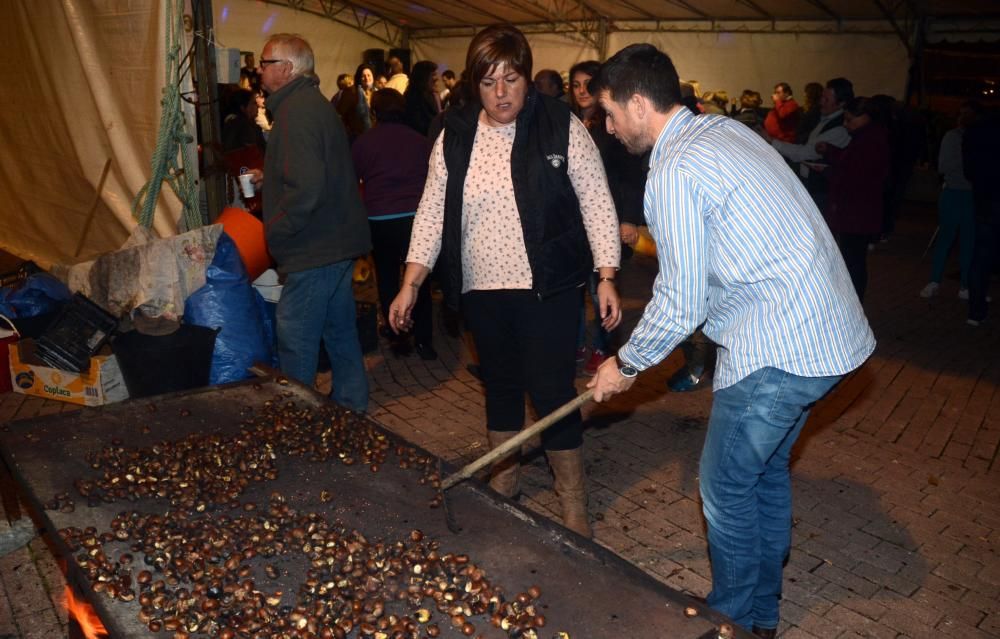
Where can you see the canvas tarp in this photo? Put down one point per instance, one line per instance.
(81, 83)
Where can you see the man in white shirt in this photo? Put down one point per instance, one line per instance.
(397, 79)
(830, 129)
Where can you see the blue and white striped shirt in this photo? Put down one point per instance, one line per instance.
(742, 248)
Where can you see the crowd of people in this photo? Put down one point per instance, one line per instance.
(522, 195)
(857, 187)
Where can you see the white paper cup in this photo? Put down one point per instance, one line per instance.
(246, 184)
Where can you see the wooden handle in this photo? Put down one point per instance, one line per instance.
(505, 448)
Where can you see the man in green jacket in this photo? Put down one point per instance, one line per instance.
(315, 222)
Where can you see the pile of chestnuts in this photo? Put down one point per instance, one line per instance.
(212, 566)
(191, 574)
(204, 471)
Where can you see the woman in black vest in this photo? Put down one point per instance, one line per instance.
(518, 209)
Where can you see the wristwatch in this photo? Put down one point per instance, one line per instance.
(627, 370)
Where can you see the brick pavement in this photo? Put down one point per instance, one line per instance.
(897, 506)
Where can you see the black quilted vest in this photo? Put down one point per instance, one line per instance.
(554, 235)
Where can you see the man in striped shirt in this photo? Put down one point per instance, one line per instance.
(742, 248)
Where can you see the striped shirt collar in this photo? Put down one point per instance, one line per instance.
(673, 128)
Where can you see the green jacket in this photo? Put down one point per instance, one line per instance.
(313, 213)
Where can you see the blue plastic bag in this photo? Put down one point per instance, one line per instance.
(228, 302)
(40, 293)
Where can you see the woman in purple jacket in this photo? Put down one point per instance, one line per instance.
(857, 180)
(391, 162)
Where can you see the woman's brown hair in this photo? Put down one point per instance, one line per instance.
(496, 45)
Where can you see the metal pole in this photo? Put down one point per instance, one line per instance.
(212, 165)
(602, 40)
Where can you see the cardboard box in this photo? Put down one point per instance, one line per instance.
(102, 384)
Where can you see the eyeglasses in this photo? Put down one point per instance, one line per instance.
(265, 61)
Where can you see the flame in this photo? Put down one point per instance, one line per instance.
(83, 614)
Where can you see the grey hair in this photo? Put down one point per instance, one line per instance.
(294, 48)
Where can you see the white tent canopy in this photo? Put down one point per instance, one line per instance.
(82, 80)
(729, 60)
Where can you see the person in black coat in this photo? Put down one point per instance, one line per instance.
(240, 127)
(981, 142)
(422, 96)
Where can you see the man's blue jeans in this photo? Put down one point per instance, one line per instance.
(746, 491)
(319, 303)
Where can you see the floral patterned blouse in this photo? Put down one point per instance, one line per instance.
(493, 252)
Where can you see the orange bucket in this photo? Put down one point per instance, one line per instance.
(247, 232)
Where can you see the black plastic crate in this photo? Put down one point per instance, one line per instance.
(75, 335)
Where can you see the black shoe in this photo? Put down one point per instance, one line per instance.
(426, 351)
(765, 633)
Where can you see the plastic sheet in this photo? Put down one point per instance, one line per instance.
(38, 295)
(229, 303)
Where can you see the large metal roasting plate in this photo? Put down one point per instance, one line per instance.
(587, 591)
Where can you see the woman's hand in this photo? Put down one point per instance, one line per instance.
(609, 305)
(821, 147)
(401, 308)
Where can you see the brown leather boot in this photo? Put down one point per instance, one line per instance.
(504, 474)
(567, 466)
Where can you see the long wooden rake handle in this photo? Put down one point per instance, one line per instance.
(515, 442)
